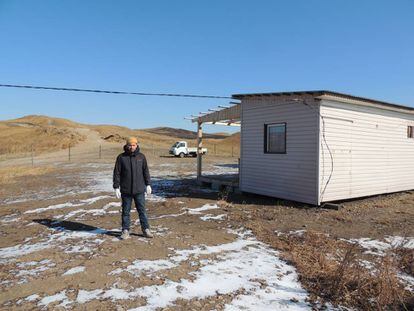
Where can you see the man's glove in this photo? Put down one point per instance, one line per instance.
(149, 190)
(118, 193)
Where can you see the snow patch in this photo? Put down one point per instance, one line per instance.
(271, 285)
(85, 296)
(53, 298)
(379, 248)
(32, 297)
(68, 204)
(74, 270)
(56, 239)
(213, 217)
(10, 218)
(167, 216)
(205, 207)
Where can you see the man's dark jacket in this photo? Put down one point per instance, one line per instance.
(131, 172)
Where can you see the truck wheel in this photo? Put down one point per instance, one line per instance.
(181, 155)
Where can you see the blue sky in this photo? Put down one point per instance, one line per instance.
(210, 47)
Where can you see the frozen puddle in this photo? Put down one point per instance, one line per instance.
(246, 266)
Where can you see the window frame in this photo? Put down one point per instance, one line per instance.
(410, 131)
(266, 137)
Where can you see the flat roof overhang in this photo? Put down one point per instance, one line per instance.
(336, 96)
(230, 116)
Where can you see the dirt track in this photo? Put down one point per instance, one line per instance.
(91, 144)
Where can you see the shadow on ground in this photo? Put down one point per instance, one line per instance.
(65, 225)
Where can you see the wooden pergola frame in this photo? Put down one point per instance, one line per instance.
(230, 116)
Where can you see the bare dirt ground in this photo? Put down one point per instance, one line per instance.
(60, 246)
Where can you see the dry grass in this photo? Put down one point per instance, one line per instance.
(9, 175)
(405, 258)
(331, 270)
(17, 139)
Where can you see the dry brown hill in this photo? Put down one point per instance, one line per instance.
(40, 132)
(39, 120)
(48, 134)
(232, 139)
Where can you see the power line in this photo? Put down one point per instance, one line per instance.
(111, 92)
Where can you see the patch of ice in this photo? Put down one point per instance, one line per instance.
(68, 204)
(10, 218)
(222, 169)
(399, 241)
(74, 270)
(94, 212)
(379, 248)
(55, 240)
(117, 294)
(41, 266)
(408, 280)
(155, 198)
(213, 217)
(85, 296)
(205, 207)
(148, 266)
(33, 263)
(167, 216)
(22, 249)
(53, 298)
(32, 297)
(292, 232)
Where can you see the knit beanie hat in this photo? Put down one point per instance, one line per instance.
(132, 140)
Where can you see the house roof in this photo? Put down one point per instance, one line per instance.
(334, 95)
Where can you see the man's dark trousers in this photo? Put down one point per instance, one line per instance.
(139, 199)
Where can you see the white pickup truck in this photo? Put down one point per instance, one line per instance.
(181, 149)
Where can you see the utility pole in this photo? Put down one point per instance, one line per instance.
(199, 149)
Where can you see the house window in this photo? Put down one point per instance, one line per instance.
(275, 138)
(410, 131)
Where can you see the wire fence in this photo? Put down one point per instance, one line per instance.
(34, 157)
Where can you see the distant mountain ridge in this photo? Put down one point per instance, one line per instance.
(183, 134)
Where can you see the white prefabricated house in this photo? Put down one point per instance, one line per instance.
(321, 146)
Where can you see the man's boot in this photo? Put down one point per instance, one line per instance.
(148, 234)
(125, 235)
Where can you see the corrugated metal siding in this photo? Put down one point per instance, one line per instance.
(293, 175)
(370, 148)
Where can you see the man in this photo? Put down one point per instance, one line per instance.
(131, 179)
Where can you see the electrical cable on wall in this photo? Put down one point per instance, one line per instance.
(323, 155)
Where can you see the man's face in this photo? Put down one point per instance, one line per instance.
(132, 147)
